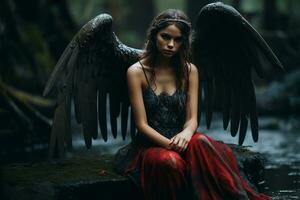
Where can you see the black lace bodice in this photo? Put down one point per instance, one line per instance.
(165, 113)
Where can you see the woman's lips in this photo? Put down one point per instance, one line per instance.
(168, 52)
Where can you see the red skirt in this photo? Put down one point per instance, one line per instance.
(207, 170)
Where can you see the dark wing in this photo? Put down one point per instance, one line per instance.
(93, 65)
(225, 48)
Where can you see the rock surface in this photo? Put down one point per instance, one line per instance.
(80, 177)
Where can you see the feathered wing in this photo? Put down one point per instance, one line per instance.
(226, 48)
(93, 65)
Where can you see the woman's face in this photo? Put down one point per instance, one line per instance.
(169, 40)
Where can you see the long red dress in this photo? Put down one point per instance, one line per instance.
(207, 170)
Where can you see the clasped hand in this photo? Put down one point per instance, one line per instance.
(180, 141)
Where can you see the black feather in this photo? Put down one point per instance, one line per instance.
(132, 125)
(114, 106)
(226, 105)
(102, 114)
(208, 102)
(124, 120)
(88, 106)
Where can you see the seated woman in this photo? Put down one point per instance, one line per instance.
(168, 159)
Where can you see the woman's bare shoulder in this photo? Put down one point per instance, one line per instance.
(192, 68)
(135, 69)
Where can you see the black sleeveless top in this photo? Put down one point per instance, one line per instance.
(166, 113)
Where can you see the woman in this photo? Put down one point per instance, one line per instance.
(168, 159)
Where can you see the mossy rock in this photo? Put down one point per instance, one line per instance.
(82, 177)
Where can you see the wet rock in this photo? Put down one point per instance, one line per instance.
(251, 165)
(84, 176)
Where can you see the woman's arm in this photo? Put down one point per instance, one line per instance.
(134, 79)
(180, 141)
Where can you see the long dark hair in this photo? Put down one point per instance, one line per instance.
(179, 62)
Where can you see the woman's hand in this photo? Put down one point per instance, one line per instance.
(180, 141)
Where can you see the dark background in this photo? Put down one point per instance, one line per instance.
(34, 33)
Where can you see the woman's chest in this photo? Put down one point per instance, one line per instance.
(164, 102)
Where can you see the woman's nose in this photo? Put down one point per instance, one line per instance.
(171, 44)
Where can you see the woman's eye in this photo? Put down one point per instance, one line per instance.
(165, 36)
